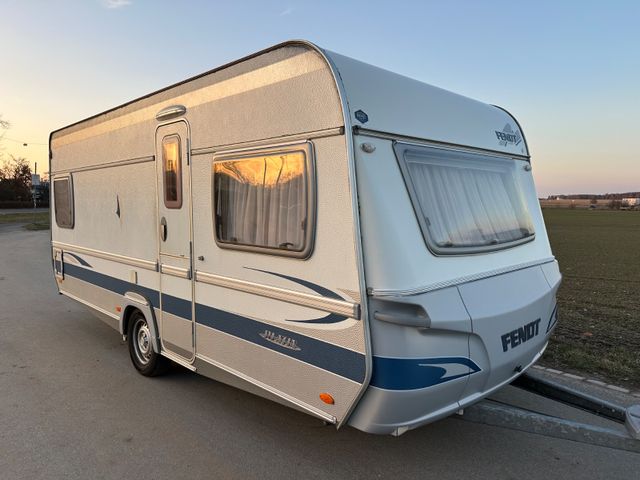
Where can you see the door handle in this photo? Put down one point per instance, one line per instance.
(163, 229)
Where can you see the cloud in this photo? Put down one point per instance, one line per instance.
(286, 11)
(113, 4)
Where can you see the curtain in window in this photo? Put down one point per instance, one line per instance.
(469, 202)
(262, 201)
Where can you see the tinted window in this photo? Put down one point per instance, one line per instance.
(63, 202)
(172, 171)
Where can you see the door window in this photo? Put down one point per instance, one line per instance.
(172, 171)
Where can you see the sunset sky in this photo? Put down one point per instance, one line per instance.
(569, 71)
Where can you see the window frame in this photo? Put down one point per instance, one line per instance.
(400, 148)
(311, 211)
(71, 205)
(172, 204)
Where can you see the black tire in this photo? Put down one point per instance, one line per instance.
(146, 361)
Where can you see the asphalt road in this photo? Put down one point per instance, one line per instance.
(72, 406)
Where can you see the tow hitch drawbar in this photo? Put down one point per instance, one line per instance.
(494, 413)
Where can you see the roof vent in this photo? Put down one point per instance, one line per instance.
(171, 112)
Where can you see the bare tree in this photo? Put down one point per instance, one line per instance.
(15, 180)
(4, 126)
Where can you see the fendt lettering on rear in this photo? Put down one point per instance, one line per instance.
(520, 335)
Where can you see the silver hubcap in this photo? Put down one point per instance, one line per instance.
(143, 341)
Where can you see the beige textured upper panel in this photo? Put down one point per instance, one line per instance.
(281, 92)
(111, 215)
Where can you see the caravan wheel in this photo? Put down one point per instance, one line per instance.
(146, 361)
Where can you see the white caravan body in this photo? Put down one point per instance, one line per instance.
(341, 239)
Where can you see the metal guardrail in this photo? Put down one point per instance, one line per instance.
(490, 412)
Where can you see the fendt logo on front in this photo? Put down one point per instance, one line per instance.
(520, 335)
(507, 135)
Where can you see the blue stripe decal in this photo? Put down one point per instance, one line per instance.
(176, 306)
(331, 318)
(338, 360)
(553, 319)
(170, 304)
(325, 292)
(81, 260)
(414, 373)
(110, 283)
(388, 373)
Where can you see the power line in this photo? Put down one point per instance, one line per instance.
(24, 144)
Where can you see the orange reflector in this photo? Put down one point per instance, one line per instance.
(326, 398)
(118, 309)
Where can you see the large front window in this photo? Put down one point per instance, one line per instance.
(465, 202)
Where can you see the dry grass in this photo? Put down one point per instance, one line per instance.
(37, 226)
(32, 221)
(24, 217)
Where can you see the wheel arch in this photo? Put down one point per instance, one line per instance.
(131, 302)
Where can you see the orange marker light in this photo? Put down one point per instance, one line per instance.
(326, 398)
(118, 309)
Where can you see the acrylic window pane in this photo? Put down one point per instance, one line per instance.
(62, 197)
(467, 201)
(172, 171)
(262, 200)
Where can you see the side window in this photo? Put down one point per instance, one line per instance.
(265, 200)
(63, 201)
(172, 171)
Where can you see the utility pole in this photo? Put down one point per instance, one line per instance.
(35, 181)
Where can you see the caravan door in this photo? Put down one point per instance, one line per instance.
(175, 239)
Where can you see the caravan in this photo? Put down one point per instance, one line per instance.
(338, 238)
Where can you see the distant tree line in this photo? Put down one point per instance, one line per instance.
(15, 181)
(590, 196)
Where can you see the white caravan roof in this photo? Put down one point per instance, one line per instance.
(373, 99)
(400, 105)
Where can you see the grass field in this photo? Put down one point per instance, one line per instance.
(32, 221)
(598, 331)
